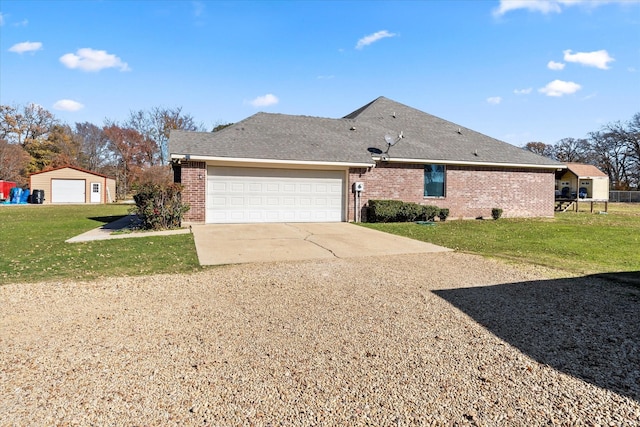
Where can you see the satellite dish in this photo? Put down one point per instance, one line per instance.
(389, 140)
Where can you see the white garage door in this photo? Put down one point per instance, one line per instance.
(243, 195)
(67, 191)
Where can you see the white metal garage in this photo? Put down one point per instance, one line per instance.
(247, 195)
(68, 190)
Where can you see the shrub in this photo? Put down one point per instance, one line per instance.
(409, 212)
(159, 207)
(398, 211)
(443, 214)
(430, 212)
(496, 213)
(383, 210)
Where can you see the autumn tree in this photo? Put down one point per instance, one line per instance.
(130, 155)
(13, 162)
(21, 125)
(157, 123)
(220, 126)
(540, 148)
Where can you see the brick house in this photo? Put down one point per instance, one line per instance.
(284, 168)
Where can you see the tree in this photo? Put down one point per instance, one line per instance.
(130, 150)
(156, 125)
(540, 148)
(94, 146)
(572, 150)
(219, 127)
(13, 162)
(67, 146)
(611, 158)
(22, 125)
(626, 136)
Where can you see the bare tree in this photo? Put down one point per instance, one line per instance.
(157, 123)
(611, 158)
(94, 146)
(572, 150)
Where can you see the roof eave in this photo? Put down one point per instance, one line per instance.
(241, 160)
(469, 163)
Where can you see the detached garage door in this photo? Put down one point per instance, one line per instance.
(67, 191)
(244, 195)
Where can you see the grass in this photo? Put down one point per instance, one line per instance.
(577, 243)
(33, 248)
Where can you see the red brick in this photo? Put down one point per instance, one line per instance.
(470, 192)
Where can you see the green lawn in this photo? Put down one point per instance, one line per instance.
(32, 246)
(576, 243)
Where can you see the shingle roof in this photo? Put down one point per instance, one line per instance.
(352, 139)
(582, 170)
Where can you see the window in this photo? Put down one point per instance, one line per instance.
(434, 180)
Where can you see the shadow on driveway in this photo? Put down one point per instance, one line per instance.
(587, 327)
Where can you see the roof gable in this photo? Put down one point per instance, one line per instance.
(74, 168)
(584, 170)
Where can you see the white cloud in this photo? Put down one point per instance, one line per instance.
(68, 105)
(599, 58)
(526, 91)
(550, 6)
(543, 6)
(87, 59)
(553, 65)
(25, 47)
(494, 100)
(265, 101)
(372, 38)
(560, 88)
(1, 19)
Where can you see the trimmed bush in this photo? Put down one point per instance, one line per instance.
(443, 214)
(398, 211)
(383, 210)
(159, 207)
(429, 213)
(496, 213)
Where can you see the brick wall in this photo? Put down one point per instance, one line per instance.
(470, 191)
(194, 180)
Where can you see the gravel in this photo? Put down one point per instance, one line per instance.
(435, 339)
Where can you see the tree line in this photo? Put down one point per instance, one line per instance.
(614, 149)
(133, 152)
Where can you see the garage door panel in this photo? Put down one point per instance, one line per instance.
(68, 191)
(273, 195)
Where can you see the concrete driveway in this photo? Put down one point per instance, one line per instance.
(218, 244)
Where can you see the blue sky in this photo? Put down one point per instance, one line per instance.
(517, 70)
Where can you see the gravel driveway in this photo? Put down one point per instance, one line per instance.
(442, 338)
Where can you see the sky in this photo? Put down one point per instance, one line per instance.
(516, 70)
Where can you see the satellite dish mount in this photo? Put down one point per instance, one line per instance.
(391, 141)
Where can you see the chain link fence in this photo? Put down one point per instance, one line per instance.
(624, 196)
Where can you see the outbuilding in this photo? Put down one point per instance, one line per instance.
(70, 184)
(580, 182)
